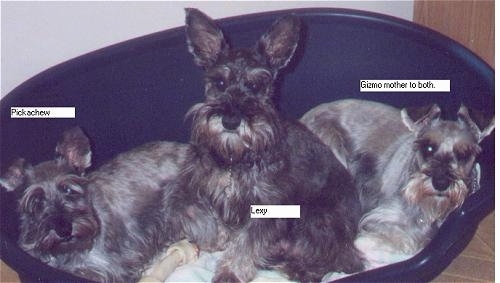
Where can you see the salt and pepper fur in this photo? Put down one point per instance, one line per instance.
(106, 226)
(244, 152)
(410, 172)
(111, 224)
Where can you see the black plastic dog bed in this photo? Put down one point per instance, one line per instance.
(138, 91)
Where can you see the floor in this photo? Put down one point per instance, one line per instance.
(475, 264)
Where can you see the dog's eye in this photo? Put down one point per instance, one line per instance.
(67, 190)
(219, 83)
(428, 150)
(463, 156)
(254, 87)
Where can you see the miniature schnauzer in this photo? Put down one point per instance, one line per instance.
(106, 226)
(411, 172)
(245, 153)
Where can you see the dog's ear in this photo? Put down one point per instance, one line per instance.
(415, 118)
(475, 121)
(204, 39)
(15, 175)
(74, 149)
(278, 44)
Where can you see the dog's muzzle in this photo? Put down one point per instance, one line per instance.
(62, 226)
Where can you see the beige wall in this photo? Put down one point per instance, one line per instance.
(472, 23)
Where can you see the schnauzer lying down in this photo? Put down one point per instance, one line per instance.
(106, 226)
(411, 173)
(245, 153)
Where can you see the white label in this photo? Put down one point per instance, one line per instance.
(404, 85)
(275, 211)
(42, 112)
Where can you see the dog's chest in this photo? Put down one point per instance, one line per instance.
(231, 192)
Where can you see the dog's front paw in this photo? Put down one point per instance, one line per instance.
(225, 275)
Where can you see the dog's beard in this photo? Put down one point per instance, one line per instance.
(390, 230)
(251, 138)
(43, 242)
(435, 205)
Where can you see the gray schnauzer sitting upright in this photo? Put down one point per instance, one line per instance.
(245, 153)
(411, 172)
(106, 226)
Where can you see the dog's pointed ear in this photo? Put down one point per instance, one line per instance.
(74, 149)
(415, 118)
(475, 121)
(278, 44)
(15, 175)
(204, 38)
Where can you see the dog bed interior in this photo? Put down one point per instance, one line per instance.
(139, 90)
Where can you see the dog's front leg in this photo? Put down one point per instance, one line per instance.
(204, 229)
(240, 259)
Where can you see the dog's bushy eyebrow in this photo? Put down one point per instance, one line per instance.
(259, 73)
(466, 149)
(73, 184)
(32, 198)
(223, 69)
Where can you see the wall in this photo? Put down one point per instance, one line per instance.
(472, 23)
(38, 35)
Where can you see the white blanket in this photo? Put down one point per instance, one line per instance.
(203, 269)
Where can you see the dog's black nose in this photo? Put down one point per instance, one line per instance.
(440, 184)
(441, 177)
(231, 121)
(63, 227)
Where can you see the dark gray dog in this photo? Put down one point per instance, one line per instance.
(106, 226)
(245, 153)
(411, 172)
